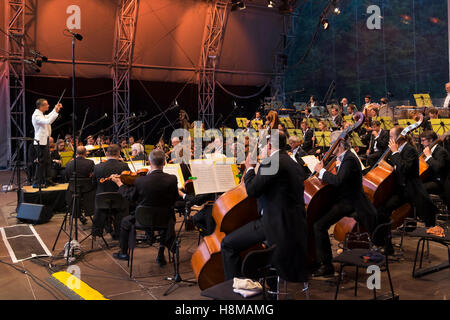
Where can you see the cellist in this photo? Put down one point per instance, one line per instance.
(350, 198)
(438, 159)
(282, 222)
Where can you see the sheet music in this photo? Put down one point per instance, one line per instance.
(175, 169)
(224, 177)
(205, 181)
(311, 162)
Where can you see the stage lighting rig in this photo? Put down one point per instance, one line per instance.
(237, 4)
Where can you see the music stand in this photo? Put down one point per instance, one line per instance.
(356, 140)
(423, 100)
(329, 123)
(387, 123)
(287, 122)
(241, 122)
(323, 138)
(255, 123)
(440, 126)
(349, 118)
(296, 132)
(313, 123)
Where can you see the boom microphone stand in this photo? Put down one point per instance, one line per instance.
(75, 197)
(176, 259)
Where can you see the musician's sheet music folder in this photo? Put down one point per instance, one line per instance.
(212, 176)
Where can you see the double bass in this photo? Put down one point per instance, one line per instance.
(318, 195)
(232, 210)
(378, 185)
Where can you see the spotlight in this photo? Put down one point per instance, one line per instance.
(325, 24)
(38, 62)
(236, 4)
(337, 11)
(270, 4)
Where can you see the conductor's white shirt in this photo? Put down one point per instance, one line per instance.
(42, 125)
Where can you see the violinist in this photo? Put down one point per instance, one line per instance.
(69, 142)
(379, 141)
(283, 221)
(113, 165)
(156, 189)
(138, 151)
(55, 156)
(409, 188)
(438, 159)
(350, 198)
(85, 170)
(123, 148)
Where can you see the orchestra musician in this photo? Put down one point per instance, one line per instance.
(336, 118)
(297, 152)
(308, 135)
(90, 142)
(351, 198)
(283, 222)
(438, 159)
(379, 142)
(138, 151)
(57, 171)
(312, 102)
(321, 127)
(367, 103)
(156, 189)
(183, 119)
(85, 170)
(112, 165)
(409, 188)
(447, 98)
(351, 109)
(345, 105)
(385, 110)
(42, 132)
(258, 116)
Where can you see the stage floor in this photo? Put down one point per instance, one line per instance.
(110, 277)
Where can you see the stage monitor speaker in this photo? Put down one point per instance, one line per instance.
(34, 213)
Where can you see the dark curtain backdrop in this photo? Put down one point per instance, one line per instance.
(408, 55)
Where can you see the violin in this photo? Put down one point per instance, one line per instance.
(127, 177)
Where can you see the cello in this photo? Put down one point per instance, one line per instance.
(232, 210)
(318, 195)
(378, 185)
(424, 168)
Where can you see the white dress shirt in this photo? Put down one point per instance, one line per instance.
(447, 101)
(339, 158)
(42, 125)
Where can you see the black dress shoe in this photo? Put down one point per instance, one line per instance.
(325, 270)
(51, 183)
(161, 261)
(83, 220)
(121, 256)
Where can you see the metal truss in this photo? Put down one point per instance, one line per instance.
(122, 62)
(15, 45)
(213, 35)
(278, 91)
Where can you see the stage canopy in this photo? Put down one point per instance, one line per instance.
(168, 39)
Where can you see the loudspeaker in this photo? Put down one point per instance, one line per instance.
(34, 213)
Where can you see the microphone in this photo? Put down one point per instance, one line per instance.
(77, 36)
(38, 54)
(235, 105)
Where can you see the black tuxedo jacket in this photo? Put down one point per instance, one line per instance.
(298, 157)
(349, 188)
(308, 143)
(280, 198)
(85, 168)
(157, 189)
(104, 170)
(439, 164)
(338, 121)
(406, 165)
(382, 142)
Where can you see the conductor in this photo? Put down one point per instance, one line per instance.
(42, 132)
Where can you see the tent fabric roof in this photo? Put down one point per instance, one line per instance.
(168, 36)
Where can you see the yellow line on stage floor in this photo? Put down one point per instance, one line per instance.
(77, 286)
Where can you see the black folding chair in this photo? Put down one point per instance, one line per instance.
(256, 266)
(354, 257)
(148, 219)
(110, 202)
